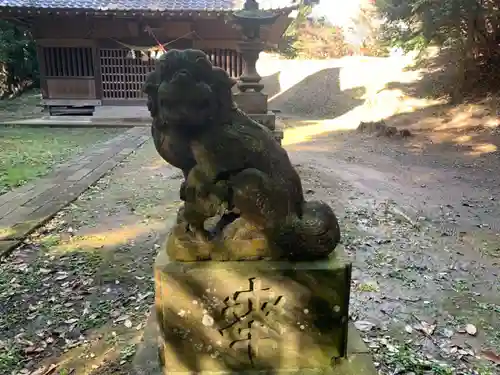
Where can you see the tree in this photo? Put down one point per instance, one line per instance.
(18, 62)
(468, 28)
(366, 23)
(312, 37)
(288, 45)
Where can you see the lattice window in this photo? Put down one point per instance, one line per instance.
(227, 59)
(68, 62)
(124, 72)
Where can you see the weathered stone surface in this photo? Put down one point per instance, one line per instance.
(239, 241)
(251, 102)
(279, 135)
(185, 247)
(269, 121)
(358, 362)
(233, 167)
(255, 315)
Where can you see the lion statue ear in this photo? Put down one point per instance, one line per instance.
(221, 78)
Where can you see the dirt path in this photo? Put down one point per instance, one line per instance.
(451, 190)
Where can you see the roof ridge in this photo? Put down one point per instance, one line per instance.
(142, 5)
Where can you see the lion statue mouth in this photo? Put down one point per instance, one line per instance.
(186, 104)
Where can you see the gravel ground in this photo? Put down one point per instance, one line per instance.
(426, 292)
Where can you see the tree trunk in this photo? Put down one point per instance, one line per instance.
(465, 59)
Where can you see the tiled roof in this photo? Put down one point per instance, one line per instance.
(156, 5)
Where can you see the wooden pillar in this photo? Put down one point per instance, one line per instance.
(97, 69)
(43, 71)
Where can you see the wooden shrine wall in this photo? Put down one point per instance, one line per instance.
(115, 74)
(90, 63)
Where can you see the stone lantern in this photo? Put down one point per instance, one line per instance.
(250, 97)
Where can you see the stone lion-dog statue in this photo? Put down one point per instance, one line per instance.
(234, 169)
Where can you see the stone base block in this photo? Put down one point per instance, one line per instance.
(268, 119)
(251, 102)
(251, 316)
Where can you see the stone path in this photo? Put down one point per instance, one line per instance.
(104, 116)
(25, 209)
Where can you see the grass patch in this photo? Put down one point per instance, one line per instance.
(10, 358)
(21, 107)
(29, 153)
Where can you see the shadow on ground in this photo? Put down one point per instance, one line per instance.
(470, 128)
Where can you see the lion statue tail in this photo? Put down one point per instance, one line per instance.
(314, 235)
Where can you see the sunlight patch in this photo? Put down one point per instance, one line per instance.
(99, 240)
(303, 131)
(483, 148)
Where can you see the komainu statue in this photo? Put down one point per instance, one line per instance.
(242, 197)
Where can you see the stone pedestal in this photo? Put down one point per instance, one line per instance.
(250, 98)
(251, 316)
(251, 102)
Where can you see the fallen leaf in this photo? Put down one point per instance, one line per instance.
(491, 356)
(471, 329)
(45, 370)
(121, 318)
(30, 350)
(140, 297)
(62, 276)
(44, 271)
(425, 328)
(364, 325)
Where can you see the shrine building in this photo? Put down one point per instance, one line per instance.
(98, 52)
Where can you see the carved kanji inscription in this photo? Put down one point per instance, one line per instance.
(254, 315)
